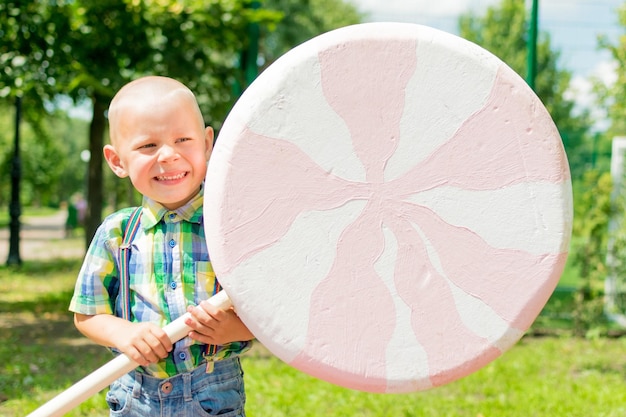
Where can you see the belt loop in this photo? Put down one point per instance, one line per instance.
(187, 386)
(137, 386)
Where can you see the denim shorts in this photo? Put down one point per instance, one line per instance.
(197, 393)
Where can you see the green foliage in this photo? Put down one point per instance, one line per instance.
(592, 213)
(51, 170)
(301, 21)
(32, 54)
(88, 49)
(599, 250)
(503, 31)
(612, 96)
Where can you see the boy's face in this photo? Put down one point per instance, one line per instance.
(163, 147)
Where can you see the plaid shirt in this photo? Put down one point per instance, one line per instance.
(169, 270)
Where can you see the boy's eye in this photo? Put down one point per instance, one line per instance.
(183, 139)
(146, 146)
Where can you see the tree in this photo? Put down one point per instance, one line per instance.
(31, 52)
(28, 54)
(503, 31)
(107, 39)
(592, 216)
(612, 96)
(302, 20)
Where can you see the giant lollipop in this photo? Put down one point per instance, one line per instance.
(388, 207)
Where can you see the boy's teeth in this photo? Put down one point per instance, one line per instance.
(167, 178)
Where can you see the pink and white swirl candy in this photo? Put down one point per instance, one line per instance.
(389, 207)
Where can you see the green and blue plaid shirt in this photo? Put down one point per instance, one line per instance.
(169, 270)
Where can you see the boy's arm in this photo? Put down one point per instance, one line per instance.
(144, 343)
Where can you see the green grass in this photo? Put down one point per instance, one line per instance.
(41, 354)
(40, 350)
(538, 377)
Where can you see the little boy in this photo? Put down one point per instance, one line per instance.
(158, 139)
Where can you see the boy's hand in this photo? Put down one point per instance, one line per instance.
(144, 343)
(214, 326)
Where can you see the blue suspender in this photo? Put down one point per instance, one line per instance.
(132, 225)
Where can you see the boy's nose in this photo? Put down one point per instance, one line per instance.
(167, 153)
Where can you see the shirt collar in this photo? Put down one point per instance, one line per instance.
(153, 212)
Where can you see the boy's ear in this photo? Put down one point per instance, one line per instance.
(209, 137)
(114, 161)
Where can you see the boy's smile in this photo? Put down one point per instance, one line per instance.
(171, 178)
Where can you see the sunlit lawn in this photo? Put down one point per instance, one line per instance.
(5, 218)
(41, 354)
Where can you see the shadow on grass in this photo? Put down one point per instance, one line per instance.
(45, 355)
(47, 303)
(40, 349)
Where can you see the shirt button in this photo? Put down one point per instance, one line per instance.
(182, 356)
(173, 285)
(172, 243)
(167, 387)
(172, 216)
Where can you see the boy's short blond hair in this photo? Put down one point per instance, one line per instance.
(147, 92)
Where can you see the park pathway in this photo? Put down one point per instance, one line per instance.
(43, 237)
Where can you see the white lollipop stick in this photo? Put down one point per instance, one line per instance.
(114, 369)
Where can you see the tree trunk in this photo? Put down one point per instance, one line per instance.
(95, 179)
